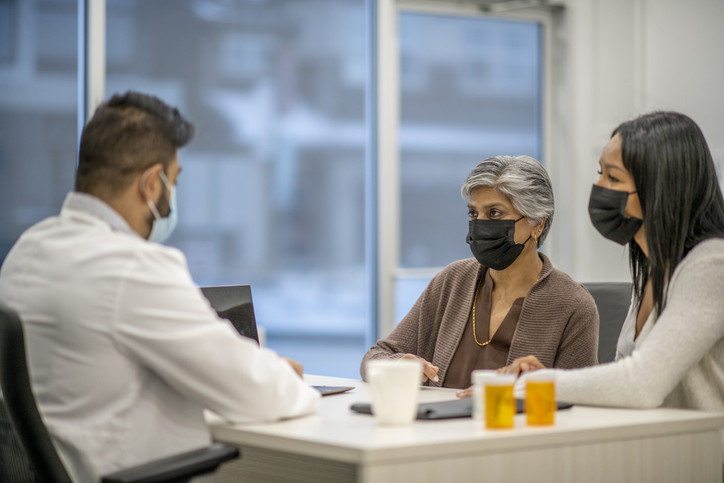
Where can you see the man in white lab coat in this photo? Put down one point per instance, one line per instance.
(124, 351)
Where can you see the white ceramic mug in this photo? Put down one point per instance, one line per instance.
(394, 385)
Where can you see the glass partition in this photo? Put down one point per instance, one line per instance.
(38, 102)
(272, 189)
(470, 88)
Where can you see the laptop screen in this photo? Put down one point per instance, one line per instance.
(234, 303)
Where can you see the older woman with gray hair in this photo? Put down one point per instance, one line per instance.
(506, 302)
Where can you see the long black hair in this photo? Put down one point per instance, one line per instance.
(681, 200)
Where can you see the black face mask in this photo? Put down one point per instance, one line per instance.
(606, 209)
(493, 243)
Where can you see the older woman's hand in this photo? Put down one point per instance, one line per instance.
(519, 365)
(522, 364)
(428, 370)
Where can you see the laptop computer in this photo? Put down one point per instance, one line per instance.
(233, 302)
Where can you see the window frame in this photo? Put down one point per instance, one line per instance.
(388, 119)
(383, 160)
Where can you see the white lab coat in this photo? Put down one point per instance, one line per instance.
(124, 351)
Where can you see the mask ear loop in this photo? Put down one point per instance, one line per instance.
(164, 179)
(535, 238)
(151, 204)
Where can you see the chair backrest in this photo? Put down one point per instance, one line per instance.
(14, 464)
(20, 402)
(613, 300)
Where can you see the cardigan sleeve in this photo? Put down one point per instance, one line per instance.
(417, 332)
(579, 343)
(402, 340)
(558, 324)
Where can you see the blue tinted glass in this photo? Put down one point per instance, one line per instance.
(469, 89)
(272, 189)
(38, 102)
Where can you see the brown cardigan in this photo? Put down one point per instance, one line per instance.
(558, 322)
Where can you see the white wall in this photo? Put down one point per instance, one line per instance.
(615, 59)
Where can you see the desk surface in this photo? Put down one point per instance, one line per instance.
(335, 433)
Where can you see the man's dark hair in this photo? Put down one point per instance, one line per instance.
(126, 135)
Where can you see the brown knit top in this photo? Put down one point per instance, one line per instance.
(558, 321)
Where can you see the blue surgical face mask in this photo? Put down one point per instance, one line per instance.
(163, 226)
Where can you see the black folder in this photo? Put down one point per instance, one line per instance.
(454, 408)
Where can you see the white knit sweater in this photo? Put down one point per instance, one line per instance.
(677, 360)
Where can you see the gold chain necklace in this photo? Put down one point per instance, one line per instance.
(475, 302)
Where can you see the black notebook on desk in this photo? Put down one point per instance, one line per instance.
(454, 408)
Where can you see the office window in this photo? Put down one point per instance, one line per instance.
(470, 88)
(8, 30)
(272, 190)
(38, 101)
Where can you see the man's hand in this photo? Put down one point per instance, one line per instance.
(298, 368)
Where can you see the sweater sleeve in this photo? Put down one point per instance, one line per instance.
(402, 340)
(417, 332)
(691, 323)
(579, 343)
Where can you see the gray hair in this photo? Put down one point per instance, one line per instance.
(523, 180)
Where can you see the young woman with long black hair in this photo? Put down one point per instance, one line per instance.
(658, 191)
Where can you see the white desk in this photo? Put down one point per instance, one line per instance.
(586, 445)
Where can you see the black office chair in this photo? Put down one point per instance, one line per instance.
(14, 464)
(613, 300)
(35, 440)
